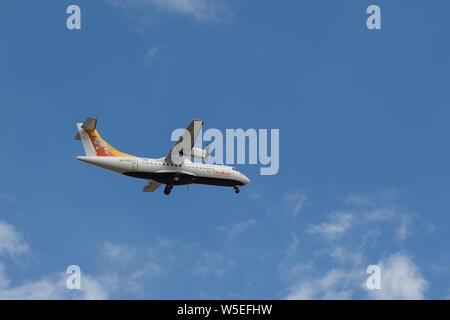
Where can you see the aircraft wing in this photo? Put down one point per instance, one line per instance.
(151, 186)
(186, 141)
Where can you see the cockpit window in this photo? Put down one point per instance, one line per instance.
(233, 169)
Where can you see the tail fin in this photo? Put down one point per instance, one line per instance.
(93, 144)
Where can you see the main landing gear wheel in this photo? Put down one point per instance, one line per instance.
(167, 189)
(236, 189)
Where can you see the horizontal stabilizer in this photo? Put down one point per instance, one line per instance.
(151, 186)
(89, 124)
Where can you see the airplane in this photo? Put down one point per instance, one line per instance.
(172, 170)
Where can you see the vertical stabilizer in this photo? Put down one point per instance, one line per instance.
(85, 139)
(93, 144)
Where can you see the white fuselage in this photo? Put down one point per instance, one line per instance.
(166, 172)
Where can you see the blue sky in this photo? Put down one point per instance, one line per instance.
(364, 149)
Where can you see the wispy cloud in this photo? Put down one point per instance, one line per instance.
(52, 288)
(48, 287)
(335, 284)
(199, 10)
(338, 223)
(11, 242)
(255, 196)
(210, 263)
(404, 229)
(7, 197)
(358, 199)
(125, 269)
(238, 228)
(400, 279)
(296, 201)
(118, 253)
(430, 228)
(163, 258)
(369, 199)
(131, 269)
(293, 247)
(348, 234)
(151, 55)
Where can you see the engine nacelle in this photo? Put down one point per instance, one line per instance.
(196, 153)
(199, 153)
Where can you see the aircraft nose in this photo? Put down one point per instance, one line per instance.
(246, 180)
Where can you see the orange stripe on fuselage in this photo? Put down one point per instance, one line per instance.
(102, 147)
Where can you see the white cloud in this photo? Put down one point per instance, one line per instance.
(11, 242)
(241, 227)
(211, 263)
(293, 247)
(339, 223)
(130, 269)
(297, 200)
(238, 228)
(405, 227)
(305, 291)
(335, 284)
(441, 268)
(342, 255)
(338, 271)
(49, 287)
(430, 228)
(93, 288)
(41, 289)
(200, 10)
(151, 55)
(400, 279)
(254, 195)
(137, 279)
(125, 270)
(358, 199)
(118, 253)
(52, 288)
(369, 200)
(380, 214)
(163, 258)
(7, 197)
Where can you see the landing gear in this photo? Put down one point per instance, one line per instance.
(236, 189)
(168, 188)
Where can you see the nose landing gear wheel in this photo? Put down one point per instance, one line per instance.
(236, 189)
(167, 189)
